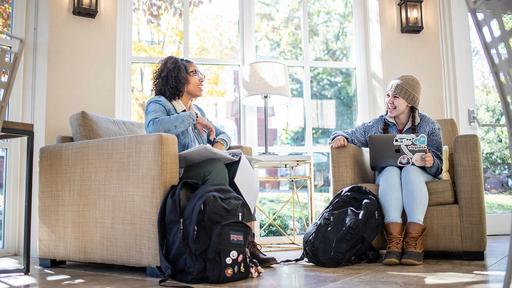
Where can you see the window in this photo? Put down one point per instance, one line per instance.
(314, 38)
(12, 15)
(491, 130)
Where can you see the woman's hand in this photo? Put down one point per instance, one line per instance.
(339, 142)
(428, 159)
(219, 145)
(204, 126)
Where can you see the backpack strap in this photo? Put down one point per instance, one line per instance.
(164, 265)
(174, 285)
(293, 260)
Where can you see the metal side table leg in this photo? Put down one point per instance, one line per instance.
(28, 202)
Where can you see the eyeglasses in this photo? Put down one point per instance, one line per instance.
(196, 73)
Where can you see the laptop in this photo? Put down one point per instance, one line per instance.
(397, 150)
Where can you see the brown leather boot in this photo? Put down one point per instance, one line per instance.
(413, 244)
(394, 235)
(262, 258)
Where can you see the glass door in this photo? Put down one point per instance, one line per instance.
(489, 118)
(11, 21)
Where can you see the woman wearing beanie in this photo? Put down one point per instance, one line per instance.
(401, 188)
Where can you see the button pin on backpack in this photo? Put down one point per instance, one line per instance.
(228, 272)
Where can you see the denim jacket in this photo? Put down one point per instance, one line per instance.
(424, 125)
(162, 116)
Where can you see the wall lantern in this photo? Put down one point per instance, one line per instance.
(411, 16)
(85, 8)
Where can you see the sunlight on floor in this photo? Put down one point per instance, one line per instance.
(57, 277)
(9, 263)
(491, 273)
(445, 277)
(77, 281)
(18, 280)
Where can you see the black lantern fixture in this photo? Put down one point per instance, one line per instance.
(411, 16)
(85, 8)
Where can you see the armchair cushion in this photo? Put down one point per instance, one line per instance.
(89, 126)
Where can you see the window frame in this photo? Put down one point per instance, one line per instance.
(14, 167)
(248, 54)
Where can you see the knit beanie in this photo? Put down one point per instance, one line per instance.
(406, 87)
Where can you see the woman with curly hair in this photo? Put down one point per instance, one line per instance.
(177, 83)
(401, 189)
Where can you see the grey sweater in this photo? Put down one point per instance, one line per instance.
(424, 125)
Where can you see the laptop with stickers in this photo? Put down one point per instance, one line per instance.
(397, 150)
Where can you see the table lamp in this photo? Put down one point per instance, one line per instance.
(266, 83)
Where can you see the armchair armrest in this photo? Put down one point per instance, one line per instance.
(99, 199)
(349, 166)
(245, 149)
(469, 188)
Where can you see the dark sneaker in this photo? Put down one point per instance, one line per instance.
(262, 258)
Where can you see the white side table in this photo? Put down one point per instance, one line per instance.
(290, 162)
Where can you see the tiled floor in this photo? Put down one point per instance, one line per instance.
(434, 273)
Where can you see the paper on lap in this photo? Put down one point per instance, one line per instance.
(246, 179)
(204, 152)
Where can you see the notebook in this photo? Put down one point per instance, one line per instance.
(397, 150)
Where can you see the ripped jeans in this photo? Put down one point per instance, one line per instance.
(401, 189)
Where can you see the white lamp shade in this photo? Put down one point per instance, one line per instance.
(266, 78)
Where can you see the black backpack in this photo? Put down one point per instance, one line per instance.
(201, 237)
(344, 231)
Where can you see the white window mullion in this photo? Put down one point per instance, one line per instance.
(361, 71)
(186, 30)
(123, 61)
(307, 77)
(248, 54)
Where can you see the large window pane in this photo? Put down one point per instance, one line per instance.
(331, 30)
(289, 120)
(142, 77)
(497, 165)
(221, 98)
(5, 26)
(157, 28)
(275, 200)
(286, 122)
(214, 31)
(322, 181)
(278, 29)
(333, 101)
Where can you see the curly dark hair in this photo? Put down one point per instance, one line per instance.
(171, 77)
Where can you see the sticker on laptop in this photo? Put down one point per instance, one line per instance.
(410, 145)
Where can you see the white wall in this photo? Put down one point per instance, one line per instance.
(81, 65)
(416, 54)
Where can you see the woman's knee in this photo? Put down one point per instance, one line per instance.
(388, 174)
(208, 172)
(216, 169)
(414, 173)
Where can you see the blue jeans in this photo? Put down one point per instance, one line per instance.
(401, 189)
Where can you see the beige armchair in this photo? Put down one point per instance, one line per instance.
(99, 196)
(455, 218)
